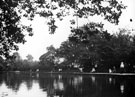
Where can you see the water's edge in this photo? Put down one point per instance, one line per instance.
(77, 73)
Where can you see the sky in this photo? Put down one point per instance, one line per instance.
(36, 45)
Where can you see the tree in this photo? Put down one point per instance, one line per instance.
(47, 60)
(91, 47)
(110, 10)
(122, 46)
(90, 37)
(131, 57)
(69, 51)
(29, 57)
(17, 56)
(2, 63)
(11, 30)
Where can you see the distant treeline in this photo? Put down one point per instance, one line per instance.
(88, 49)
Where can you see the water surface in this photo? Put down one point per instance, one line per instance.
(23, 84)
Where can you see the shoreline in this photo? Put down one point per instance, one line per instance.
(76, 73)
(85, 73)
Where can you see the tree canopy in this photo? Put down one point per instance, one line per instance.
(29, 57)
(53, 10)
(11, 12)
(11, 30)
(91, 47)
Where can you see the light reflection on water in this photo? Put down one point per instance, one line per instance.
(65, 85)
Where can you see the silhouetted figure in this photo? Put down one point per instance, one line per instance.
(37, 70)
(122, 67)
(131, 20)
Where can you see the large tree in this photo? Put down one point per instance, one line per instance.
(47, 60)
(69, 52)
(91, 47)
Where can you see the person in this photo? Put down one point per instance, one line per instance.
(93, 70)
(122, 67)
(110, 71)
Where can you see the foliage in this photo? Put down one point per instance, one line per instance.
(87, 47)
(51, 9)
(47, 60)
(16, 63)
(11, 30)
(16, 56)
(29, 57)
(91, 47)
(2, 63)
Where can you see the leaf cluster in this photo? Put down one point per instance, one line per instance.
(11, 30)
(110, 10)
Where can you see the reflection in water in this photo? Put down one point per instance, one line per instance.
(93, 79)
(122, 88)
(64, 85)
(58, 85)
(110, 80)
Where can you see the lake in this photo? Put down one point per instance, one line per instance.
(24, 84)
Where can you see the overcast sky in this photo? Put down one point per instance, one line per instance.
(36, 45)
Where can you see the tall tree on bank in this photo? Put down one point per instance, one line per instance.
(91, 47)
(47, 60)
